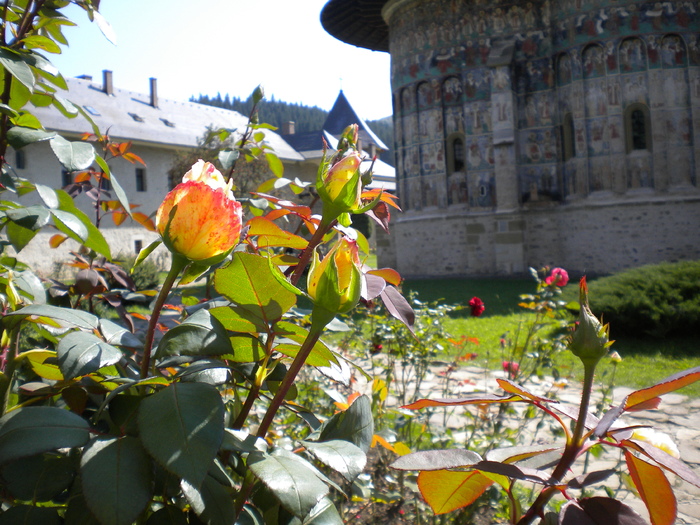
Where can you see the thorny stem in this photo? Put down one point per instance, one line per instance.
(9, 368)
(178, 263)
(571, 452)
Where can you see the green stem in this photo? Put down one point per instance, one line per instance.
(9, 371)
(573, 446)
(176, 267)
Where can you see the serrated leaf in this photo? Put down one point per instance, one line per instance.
(38, 478)
(228, 157)
(116, 187)
(398, 307)
(34, 430)
(481, 399)
(30, 515)
(248, 282)
(74, 156)
(118, 335)
(446, 490)
(275, 164)
(667, 461)
(32, 217)
(598, 511)
(212, 502)
(95, 240)
(182, 427)
(233, 319)
(81, 353)
(145, 252)
(67, 316)
(117, 478)
(14, 64)
(19, 137)
(47, 195)
(436, 460)
(269, 234)
(342, 456)
(320, 354)
(354, 425)
(200, 334)
(671, 383)
(37, 360)
(298, 489)
(70, 225)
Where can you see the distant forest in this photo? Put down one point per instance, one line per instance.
(306, 118)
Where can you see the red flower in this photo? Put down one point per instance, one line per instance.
(477, 306)
(558, 277)
(511, 367)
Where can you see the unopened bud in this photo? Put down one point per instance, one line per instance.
(590, 341)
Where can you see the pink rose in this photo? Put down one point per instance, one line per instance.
(477, 306)
(558, 277)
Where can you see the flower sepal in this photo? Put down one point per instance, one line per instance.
(335, 282)
(590, 342)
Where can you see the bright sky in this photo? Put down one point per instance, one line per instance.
(228, 46)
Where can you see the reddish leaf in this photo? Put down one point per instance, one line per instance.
(397, 306)
(669, 384)
(591, 478)
(667, 461)
(519, 453)
(447, 490)
(389, 198)
(380, 214)
(513, 472)
(56, 240)
(84, 176)
(484, 399)
(375, 286)
(436, 460)
(389, 275)
(513, 388)
(269, 234)
(144, 220)
(119, 217)
(654, 489)
(303, 211)
(598, 511)
(571, 411)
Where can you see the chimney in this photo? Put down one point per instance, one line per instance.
(288, 128)
(154, 92)
(107, 82)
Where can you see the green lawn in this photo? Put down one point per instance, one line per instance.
(645, 361)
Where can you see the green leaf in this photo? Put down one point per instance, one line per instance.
(13, 63)
(275, 164)
(47, 195)
(19, 236)
(31, 286)
(320, 354)
(228, 157)
(67, 316)
(436, 459)
(30, 515)
(33, 430)
(182, 427)
(298, 489)
(32, 217)
(78, 512)
(145, 252)
(354, 425)
(38, 478)
(41, 42)
(233, 319)
(118, 335)
(212, 502)
(249, 282)
(342, 456)
(168, 515)
(95, 240)
(246, 349)
(80, 353)
(199, 334)
(116, 187)
(117, 479)
(74, 156)
(19, 137)
(70, 225)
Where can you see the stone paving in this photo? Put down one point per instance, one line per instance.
(678, 416)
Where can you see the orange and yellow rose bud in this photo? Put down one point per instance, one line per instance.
(341, 187)
(335, 282)
(200, 218)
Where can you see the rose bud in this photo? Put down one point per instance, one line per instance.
(200, 218)
(334, 282)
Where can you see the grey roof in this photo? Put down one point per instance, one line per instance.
(342, 115)
(128, 115)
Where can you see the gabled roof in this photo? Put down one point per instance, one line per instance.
(311, 143)
(342, 115)
(127, 115)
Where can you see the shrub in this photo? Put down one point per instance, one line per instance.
(657, 300)
(146, 275)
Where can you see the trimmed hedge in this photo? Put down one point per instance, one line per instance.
(656, 300)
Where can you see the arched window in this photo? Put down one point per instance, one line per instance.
(637, 128)
(456, 153)
(567, 137)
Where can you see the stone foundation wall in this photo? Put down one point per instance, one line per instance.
(595, 236)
